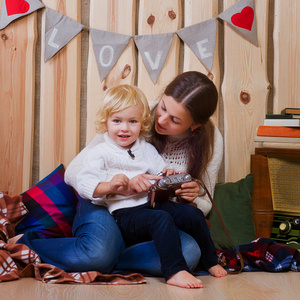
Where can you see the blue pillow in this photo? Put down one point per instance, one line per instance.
(52, 206)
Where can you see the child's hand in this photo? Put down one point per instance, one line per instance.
(119, 184)
(141, 183)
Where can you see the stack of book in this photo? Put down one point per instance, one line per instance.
(280, 130)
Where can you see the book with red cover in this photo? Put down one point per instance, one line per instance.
(278, 131)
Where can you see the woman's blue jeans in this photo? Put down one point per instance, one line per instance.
(98, 245)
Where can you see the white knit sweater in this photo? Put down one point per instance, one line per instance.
(108, 159)
(175, 157)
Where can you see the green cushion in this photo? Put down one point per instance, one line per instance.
(233, 201)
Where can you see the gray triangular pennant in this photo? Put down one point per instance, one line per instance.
(201, 38)
(108, 47)
(12, 10)
(154, 49)
(242, 17)
(59, 30)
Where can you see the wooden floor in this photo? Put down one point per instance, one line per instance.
(245, 286)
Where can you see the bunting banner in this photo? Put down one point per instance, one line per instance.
(59, 30)
(201, 39)
(108, 46)
(14, 9)
(241, 16)
(154, 49)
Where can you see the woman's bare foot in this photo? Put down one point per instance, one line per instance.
(217, 271)
(14, 239)
(185, 279)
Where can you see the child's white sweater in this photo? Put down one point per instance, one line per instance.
(108, 159)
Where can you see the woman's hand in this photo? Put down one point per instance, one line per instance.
(188, 191)
(168, 172)
(141, 183)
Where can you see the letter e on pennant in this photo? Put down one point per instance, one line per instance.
(202, 50)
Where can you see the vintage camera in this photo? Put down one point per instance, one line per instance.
(286, 230)
(173, 181)
(164, 189)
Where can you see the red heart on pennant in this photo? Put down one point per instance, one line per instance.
(14, 7)
(244, 19)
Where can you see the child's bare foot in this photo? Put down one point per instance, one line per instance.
(185, 279)
(217, 271)
(14, 239)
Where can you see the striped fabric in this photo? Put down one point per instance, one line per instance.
(52, 206)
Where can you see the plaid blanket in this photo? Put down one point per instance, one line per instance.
(17, 260)
(262, 255)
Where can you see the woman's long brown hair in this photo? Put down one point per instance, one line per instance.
(198, 94)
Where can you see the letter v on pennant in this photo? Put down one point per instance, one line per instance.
(154, 65)
(154, 49)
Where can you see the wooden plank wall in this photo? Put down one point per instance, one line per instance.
(17, 90)
(60, 97)
(244, 92)
(67, 89)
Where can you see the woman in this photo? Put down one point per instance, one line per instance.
(188, 141)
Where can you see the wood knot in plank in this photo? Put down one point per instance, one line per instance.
(126, 71)
(245, 97)
(151, 20)
(210, 76)
(4, 37)
(172, 15)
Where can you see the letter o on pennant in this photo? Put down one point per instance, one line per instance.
(106, 56)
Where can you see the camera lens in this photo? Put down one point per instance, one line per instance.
(164, 182)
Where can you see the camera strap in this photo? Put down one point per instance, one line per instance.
(224, 227)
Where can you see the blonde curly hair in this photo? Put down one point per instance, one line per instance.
(118, 98)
